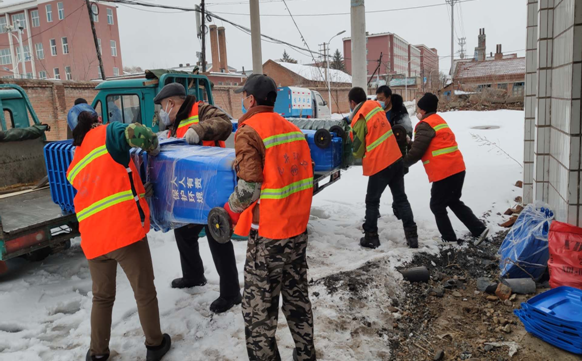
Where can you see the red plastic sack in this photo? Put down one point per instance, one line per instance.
(565, 264)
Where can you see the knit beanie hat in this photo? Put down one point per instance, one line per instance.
(429, 103)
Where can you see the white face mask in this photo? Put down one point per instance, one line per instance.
(419, 116)
(165, 116)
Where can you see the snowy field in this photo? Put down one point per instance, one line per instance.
(45, 307)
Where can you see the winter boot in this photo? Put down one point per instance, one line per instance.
(222, 304)
(155, 353)
(186, 283)
(370, 240)
(411, 237)
(95, 357)
(482, 237)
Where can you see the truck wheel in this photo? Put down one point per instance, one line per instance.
(322, 138)
(219, 225)
(339, 131)
(38, 255)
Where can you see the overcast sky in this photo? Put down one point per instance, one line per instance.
(152, 38)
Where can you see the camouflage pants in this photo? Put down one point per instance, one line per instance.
(276, 267)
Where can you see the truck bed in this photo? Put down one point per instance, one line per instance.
(23, 211)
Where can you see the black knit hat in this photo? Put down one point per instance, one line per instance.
(429, 103)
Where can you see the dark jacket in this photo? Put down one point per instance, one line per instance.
(214, 123)
(399, 114)
(422, 137)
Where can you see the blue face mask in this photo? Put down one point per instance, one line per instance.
(382, 104)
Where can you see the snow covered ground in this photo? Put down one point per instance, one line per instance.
(45, 308)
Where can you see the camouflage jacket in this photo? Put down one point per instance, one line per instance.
(214, 123)
(122, 137)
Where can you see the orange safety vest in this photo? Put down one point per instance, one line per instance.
(443, 158)
(381, 147)
(194, 119)
(287, 189)
(106, 203)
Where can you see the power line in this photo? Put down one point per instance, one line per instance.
(340, 14)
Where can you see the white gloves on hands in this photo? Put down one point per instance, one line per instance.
(191, 136)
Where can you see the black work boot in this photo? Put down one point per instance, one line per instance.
(95, 358)
(222, 304)
(155, 353)
(411, 237)
(186, 283)
(370, 240)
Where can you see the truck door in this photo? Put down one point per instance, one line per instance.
(323, 111)
(124, 108)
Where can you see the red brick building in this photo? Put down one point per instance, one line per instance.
(399, 58)
(429, 65)
(58, 42)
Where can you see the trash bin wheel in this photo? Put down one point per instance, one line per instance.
(219, 225)
(339, 131)
(322, 138)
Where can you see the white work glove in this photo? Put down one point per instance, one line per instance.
(191, 136)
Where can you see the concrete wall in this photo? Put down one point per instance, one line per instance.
(556, 88)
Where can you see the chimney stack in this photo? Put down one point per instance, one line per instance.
(214, 48)
(222, 47)
(480, 50)
(498, 52)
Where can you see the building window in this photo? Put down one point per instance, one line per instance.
(95, 12)
(29, 75)
(502, 86)
(19, 17)
(100, 48)
(68, 73)
(5, 57)
(115, 71)
(53, 47)
(61, 9)
(35, 18)
(65, 43)
(26, 53)
(110, 16)
(42, 74)
(482, 87)
(3, 25)
(39, 51)
(57, 73)
(518, 89)
(49, 13)
(113, 48)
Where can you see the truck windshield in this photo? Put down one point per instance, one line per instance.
(123, 108)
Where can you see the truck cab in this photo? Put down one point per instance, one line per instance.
(132, 100)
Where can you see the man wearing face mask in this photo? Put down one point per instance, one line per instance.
(374, 142)
(203, 124)
(435, 144)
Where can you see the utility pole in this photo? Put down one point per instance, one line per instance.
(90, 12)
(462, 43)
(203, 34)
(452, 2)
(256, 37)
(359, 63)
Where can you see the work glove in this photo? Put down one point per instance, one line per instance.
(234, 217)
(149, 189)
(191, 136)
(155, 152)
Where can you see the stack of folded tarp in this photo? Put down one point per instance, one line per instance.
(555, 316)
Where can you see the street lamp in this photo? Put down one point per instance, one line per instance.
(327, 69)
(20, 28)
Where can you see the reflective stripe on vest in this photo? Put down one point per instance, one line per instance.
(96, 153)
(288, 190)
(373, 112)
(104, 204)
(438, 152)
(282, 139)
(380, 140)
(188, 122)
